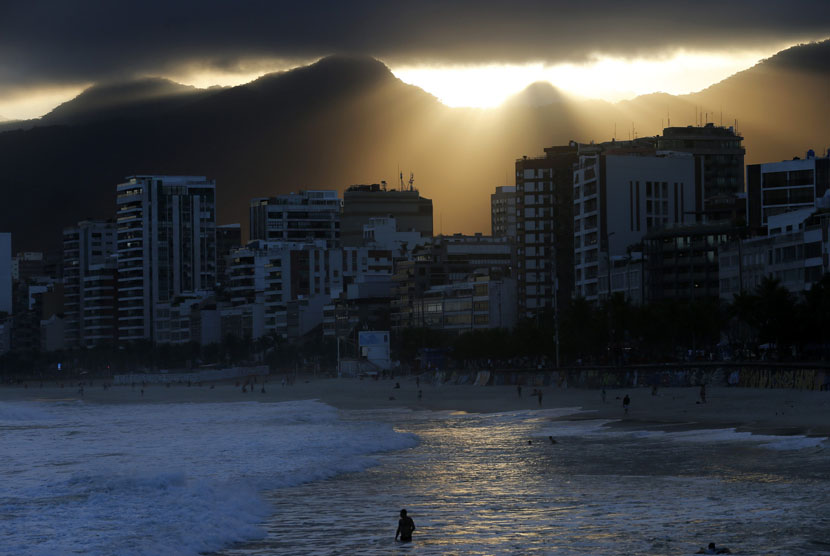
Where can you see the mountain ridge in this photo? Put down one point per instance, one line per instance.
(346, 120)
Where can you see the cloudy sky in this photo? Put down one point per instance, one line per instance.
(49, 50)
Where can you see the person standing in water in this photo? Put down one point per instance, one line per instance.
(405, 527)
(626, 403)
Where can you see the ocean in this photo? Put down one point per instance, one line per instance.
(303, 478)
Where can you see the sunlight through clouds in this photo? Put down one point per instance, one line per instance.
(606, 78)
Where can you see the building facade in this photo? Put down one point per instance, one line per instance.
(544, 229)
(719, 168)
(89, 280)
(775, 188)
(621, 192)
(308, 216)
(503, 212)
(166, 244)
(361, 203)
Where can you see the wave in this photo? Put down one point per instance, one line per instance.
(180, 479)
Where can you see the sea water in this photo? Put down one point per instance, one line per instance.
(303, 478)
(179, 479)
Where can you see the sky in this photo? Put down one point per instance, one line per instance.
(466, 52)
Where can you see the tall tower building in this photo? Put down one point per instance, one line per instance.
(89, 283)
(166, 247)
(544, 229)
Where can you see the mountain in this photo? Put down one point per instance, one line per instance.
(540, 93)
(346, 120)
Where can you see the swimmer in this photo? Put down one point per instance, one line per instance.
(405, 528)
(552, 440)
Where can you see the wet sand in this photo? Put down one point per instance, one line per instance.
(766, 411)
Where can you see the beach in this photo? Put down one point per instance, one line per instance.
(768, 411)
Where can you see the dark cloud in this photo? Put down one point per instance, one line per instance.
(55, 41)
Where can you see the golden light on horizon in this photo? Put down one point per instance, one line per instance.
(606, 78)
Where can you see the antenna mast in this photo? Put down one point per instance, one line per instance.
(411, 181)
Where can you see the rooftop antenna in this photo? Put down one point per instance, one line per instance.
(411, 181)
(400, 175)
(668, 117)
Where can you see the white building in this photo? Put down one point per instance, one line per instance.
(307, 216)
(6, 273)
(166, 247)
(619, 196)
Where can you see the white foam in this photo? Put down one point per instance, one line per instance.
(164, 479)
(709, 436)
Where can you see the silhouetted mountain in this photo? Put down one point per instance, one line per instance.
(130, 100)
(346, 120)
(540, 93)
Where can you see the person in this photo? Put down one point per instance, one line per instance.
(519, 389)
(405, 527)
(703, 393)
(539, 394)
(552, 440)
(712, 549)
(626, 403)
(603, 394)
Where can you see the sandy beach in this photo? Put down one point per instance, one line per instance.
(767, 411)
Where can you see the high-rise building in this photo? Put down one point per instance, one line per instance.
(89, 283)
(544, 229)
(777, 187)
(361, 203)
(503, 212)
(166, 247)
(719, 167)
(621, 192)
(305, 216)
(6, 273)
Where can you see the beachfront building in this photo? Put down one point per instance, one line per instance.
(361, 203)
(796, 252)
(621, 192)
(479, 302)
(503, 212)
(682, 261)
(166, 245)
(719, 169)
(307, 216)
(443, 261)
(544, 229)
(89, 283)
(778, 187)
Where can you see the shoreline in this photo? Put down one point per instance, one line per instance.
(761, 411)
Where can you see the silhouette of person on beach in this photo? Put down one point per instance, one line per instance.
(405, 527)
(603, 394)
(712, 549)
(519, 390)
(539, 395)
(626, 403)
(702, 393)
